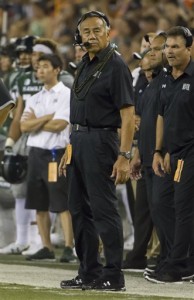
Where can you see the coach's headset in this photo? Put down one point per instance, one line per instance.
(187, 35)
(93, 13)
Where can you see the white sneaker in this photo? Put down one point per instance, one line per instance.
(32, 249)
(13, 249)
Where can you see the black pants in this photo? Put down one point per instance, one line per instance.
(93, 203)
(184, 212)
(160, 193)
(143, 224)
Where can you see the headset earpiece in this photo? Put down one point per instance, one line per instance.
(188, 36)
(77, 37)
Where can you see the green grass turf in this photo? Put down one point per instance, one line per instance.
(21, 292)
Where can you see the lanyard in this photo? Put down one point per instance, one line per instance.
(54, 154)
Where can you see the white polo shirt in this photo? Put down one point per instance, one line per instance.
(57, 101)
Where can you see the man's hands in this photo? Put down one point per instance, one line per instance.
(29, 115)
(62, 165)
(135, 168)
(167, 166)
(137, 122)
(121, 170)
(161, 165)
(158, 165)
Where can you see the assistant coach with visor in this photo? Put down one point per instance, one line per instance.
(101, 102)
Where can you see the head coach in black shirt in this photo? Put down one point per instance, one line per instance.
(175, 130)
(101, 102)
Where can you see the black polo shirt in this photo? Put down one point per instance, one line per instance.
(149, 111)
(177, 109)
(100, 104)
(138, 91)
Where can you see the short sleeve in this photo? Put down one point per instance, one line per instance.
(121, 85)
(63, 108)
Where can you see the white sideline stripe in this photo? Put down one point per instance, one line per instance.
(51, 277)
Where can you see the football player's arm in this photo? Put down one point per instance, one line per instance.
(6, 103)
(4, 112)
(14, 132)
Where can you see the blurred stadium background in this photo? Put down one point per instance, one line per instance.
(130, 20)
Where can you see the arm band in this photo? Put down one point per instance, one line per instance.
(9, 142)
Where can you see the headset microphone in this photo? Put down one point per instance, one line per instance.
(86, 44)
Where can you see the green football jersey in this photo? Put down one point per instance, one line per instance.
(28, 85)
(11, 80)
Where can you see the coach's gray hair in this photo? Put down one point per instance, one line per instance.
(104, 23)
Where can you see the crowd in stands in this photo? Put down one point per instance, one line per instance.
(130, 20)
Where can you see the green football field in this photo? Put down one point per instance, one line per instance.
(22, 292)
(26, 280)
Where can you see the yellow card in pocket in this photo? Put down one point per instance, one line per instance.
(177, 176)
(52, 171)
(69, 154)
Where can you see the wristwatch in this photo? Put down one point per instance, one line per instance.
(126, 155)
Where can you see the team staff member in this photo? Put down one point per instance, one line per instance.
(101, 102)
(28, 84)
(46, 119)
(159, 190)
(143, 225)
(175, 126)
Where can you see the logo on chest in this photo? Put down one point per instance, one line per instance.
(97, 74)
(186, 86)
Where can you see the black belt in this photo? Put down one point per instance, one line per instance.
(77, 127)
(48, 151)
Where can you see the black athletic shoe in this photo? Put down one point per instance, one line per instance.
(68, 255)
(149, 270)
(42, 254)
(104, 285)
(159, 268)
(187, 275)
(152, 261)
(75, 283)
(164, 278)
